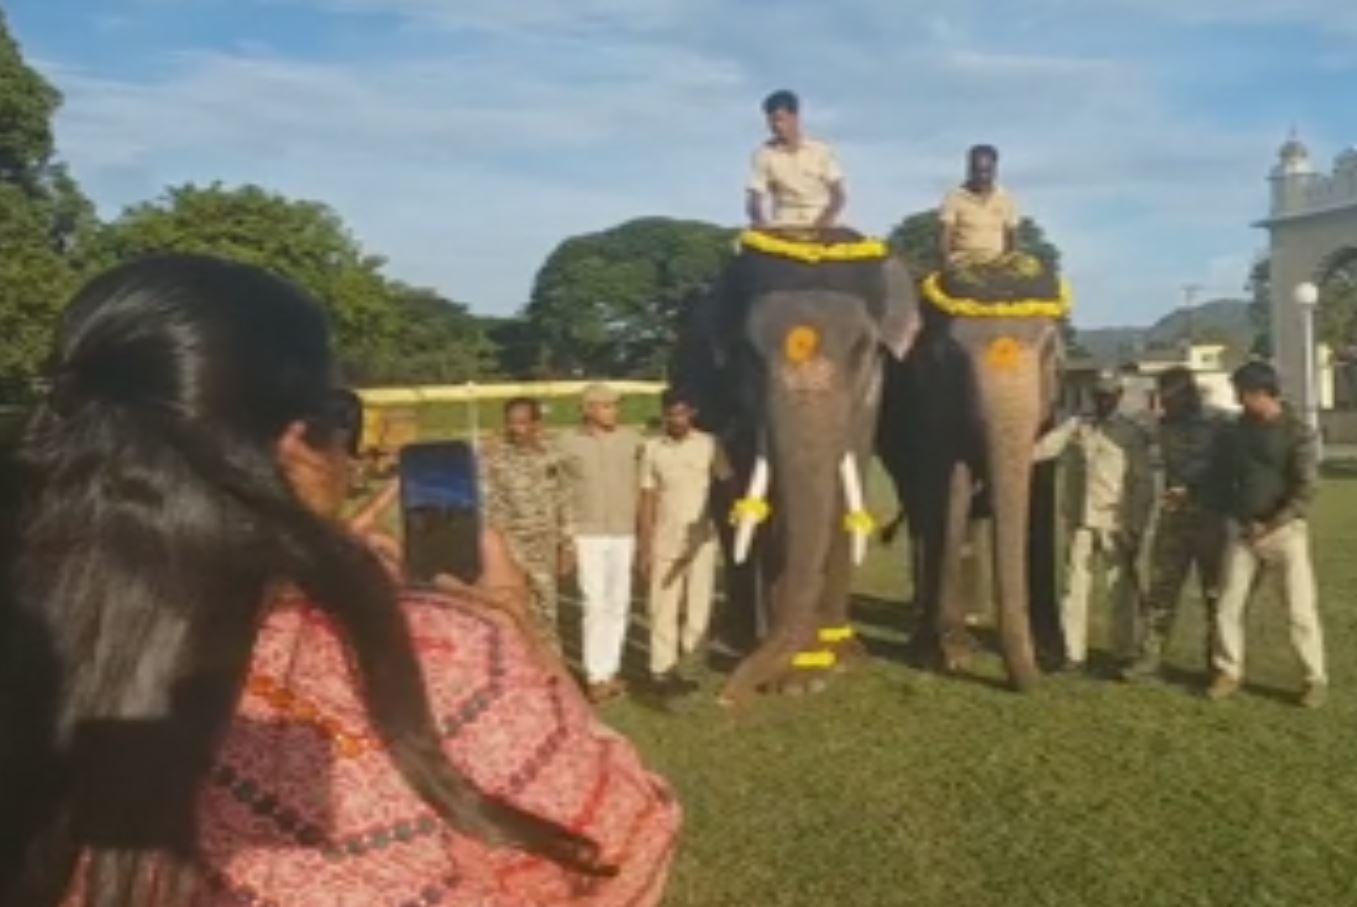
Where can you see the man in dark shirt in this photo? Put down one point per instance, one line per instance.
(1191, 533)
(1267, 470)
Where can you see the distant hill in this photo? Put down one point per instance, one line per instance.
(1224, 321)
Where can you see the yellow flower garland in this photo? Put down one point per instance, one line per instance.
(812, 252)
(1018, 308)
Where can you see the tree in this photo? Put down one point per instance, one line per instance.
(606, 303)
(1337, 315)
(1259, 289)
(46, 223)
(436, 341)
(517, 347)
(302, 240)
(918, 240)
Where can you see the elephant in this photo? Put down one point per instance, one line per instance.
(790, 358)
(960, 418)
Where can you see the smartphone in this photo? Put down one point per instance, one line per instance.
(440, 510)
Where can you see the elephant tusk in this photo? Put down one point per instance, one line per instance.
(749, 514)
(859, 522)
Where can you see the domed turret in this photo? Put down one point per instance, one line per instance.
(1293, 158)
(1292, 176)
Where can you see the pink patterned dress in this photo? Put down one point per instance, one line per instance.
(305, 809)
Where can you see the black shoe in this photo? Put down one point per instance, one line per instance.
(673, 685)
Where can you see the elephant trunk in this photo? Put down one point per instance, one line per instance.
(1009, 398)
(808, 495)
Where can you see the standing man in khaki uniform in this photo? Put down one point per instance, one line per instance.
(1109, 494)
(979, 218)
(678, 539)
(1267, 472)
(601, 460)
(527, 499)
(799, 174)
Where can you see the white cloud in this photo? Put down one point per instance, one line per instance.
(465, 161)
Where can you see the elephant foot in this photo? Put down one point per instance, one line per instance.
(1024, 682)
(734, 697)
(957, 647)
(801, 682)
(844, 645)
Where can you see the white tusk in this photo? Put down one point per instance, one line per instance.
(758, 490)
(852, 492)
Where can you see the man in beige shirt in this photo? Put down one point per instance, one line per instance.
(601, 460)
(800, 175)
(678, 539)
(1109, 496)
(979, 218)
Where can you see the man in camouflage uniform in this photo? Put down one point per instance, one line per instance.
(1190, 533)
(527, 499)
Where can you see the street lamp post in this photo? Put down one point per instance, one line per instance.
(1307, 299)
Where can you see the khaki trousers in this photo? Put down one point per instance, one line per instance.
(680, 603)
(1288, 550)
(1087, 546)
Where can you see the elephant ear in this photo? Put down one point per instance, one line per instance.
(898, 316)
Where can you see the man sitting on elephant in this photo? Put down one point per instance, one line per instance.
(800, 174)
(982, 261)
(979, 218)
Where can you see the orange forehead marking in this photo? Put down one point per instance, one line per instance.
(802, 343)
(1003, 354)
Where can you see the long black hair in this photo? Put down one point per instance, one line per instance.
(147, 527)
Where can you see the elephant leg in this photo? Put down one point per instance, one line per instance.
(836, 632)
(953, 637)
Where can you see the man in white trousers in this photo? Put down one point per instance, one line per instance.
(602, 459)
(1266, 473)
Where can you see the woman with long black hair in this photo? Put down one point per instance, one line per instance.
(212, 693)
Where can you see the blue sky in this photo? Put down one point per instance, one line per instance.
(462, 139)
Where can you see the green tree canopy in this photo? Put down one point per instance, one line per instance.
(45, 221)
(301, 240)
(436, 341)
(386, 332)
(1259, 289)
(605, 303)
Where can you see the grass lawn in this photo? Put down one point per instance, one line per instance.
(897, 787)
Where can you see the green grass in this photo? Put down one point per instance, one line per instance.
(897, 787)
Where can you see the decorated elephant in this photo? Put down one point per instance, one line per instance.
(961, 415)
(789, 350)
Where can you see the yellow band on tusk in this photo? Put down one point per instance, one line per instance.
(821, 660)
(836, 634)
(756, 510)
(860, 522)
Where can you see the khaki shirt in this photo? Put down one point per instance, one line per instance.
(979, 223)
(679, 473)
(1109, 478)
(798, 179)
(601, 468)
